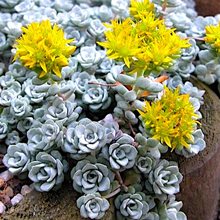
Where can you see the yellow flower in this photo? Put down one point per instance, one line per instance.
(159, 50)
(147, 26)
(43, 48)
(121, 43)
(145, 44)
(213, 36)
(171, 119)
(141, 8)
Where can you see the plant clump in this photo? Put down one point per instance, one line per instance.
(43, 48)
(137, 41)
(171, 119)
(102, 110)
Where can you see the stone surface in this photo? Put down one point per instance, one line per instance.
(6, 175)
(16, 199)
(2, 207)
(25, 190)
(9, 191)
(2, 182)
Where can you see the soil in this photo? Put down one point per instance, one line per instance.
(59, 205)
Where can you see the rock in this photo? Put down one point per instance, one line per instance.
(9, 191)
(6, 199)
(2, 208)
(2, 182)
(25, 190)
(16, 199)
(6, 175)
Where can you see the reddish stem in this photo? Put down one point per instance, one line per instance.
(112, 194)
(120, 180)
(102, 84)
(132, 129)
(164, 6)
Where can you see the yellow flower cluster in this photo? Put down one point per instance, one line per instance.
(213, 36)
(171, 120)
(143, 42)
(141, 8)
(43, 48)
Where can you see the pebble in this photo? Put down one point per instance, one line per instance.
(6, 175)
(16, 199)
(25, 190)
(9, 191)
(6, 199)
(2, 182)
(2, 208)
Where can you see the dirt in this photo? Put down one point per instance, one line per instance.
(53, 205)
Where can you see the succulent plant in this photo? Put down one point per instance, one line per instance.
(81, 80)
(17, 158)
(90, 176)
(188, 88)
(3, 42)
(120, 7)
(88, 56)
(44, 137)
(25, 124)
(6, 116)
(131, 206)
(83, 138)
(170, 209)
(96, 28)
(197, 28)
(79, 17)
(208, 68)
(149, 145)
(62, 111)
(104, 66)
(145, 164)
(92, 206)
(104, 13)
(19, 72)
(68, 71)
(12, 138)
(164, 178)
(20, 107)
(178, 20)
(121, 153)
(96, 96)
(89, 113)
(7, 96)
(9, 3)
(8, 82)
(198, 145)
(35, 93)
(13, 30)
(111, 127)
(47, 171)
(3, 129)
